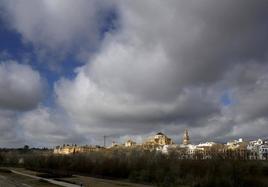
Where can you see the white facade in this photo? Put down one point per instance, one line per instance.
(263, 152)
(258, 149)
(240, 140)
(130, 143)
(206, 144)
(256, 142)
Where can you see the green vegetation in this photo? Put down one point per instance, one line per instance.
(150, 168)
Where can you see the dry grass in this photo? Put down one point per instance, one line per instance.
(86, 181)
(11, 179)
(95, 182)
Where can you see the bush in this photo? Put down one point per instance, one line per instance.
(148, 167)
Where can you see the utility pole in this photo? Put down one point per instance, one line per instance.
(104, 141)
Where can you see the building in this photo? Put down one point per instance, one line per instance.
(186, 138)
(66, 149)
(236, 149)
(263, 152)
(130, 143)
(258, 149)
(253, 148)
(207, 149)
(159, 139)
(206, 144)
(234, 144)
(114, 144)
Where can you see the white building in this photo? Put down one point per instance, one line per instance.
(235, 144)
(258, 149)
(255, 143)
(263, 151)
(206, 144)
(167, 148)
(240, 140)
(130, 143)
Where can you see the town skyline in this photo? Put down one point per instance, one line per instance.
(161, 143)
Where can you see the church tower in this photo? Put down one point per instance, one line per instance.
(186, 139)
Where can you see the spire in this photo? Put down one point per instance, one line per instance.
(186, 139)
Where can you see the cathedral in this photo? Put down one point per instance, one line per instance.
(159, 139)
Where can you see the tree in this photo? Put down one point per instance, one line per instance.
(26, 147)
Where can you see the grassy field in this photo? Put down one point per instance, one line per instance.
(86, 181)
(96, 182)
(8, 179)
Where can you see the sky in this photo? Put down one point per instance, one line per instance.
(72, 71)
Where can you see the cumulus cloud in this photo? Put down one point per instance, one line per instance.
(93, 107)
(45, 126)
(166, 68)
(21, 86)
(169, 65)
(252, 103)
(9, 130)
(67, 27)
(41, 127)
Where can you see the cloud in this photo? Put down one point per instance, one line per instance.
(93, 108)
(166, 68)
(41, 127)
(249, 112)
(59, 28)
(21, 86)
(9, 130)
(167, 65)
(48, 127)
(200, 39)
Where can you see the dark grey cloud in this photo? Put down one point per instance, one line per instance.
(203, 39)
(252, 100)
(138, 80)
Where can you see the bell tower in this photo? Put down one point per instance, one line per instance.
(186, 139)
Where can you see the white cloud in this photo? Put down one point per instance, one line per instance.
(57, 28)
(48, 127)
(10, 133)
(21, 86)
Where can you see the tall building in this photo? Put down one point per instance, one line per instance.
(186, 139)
(159, 139)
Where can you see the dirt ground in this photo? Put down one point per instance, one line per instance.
(78, 180)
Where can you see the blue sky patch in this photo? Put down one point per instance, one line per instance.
(226, 99)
